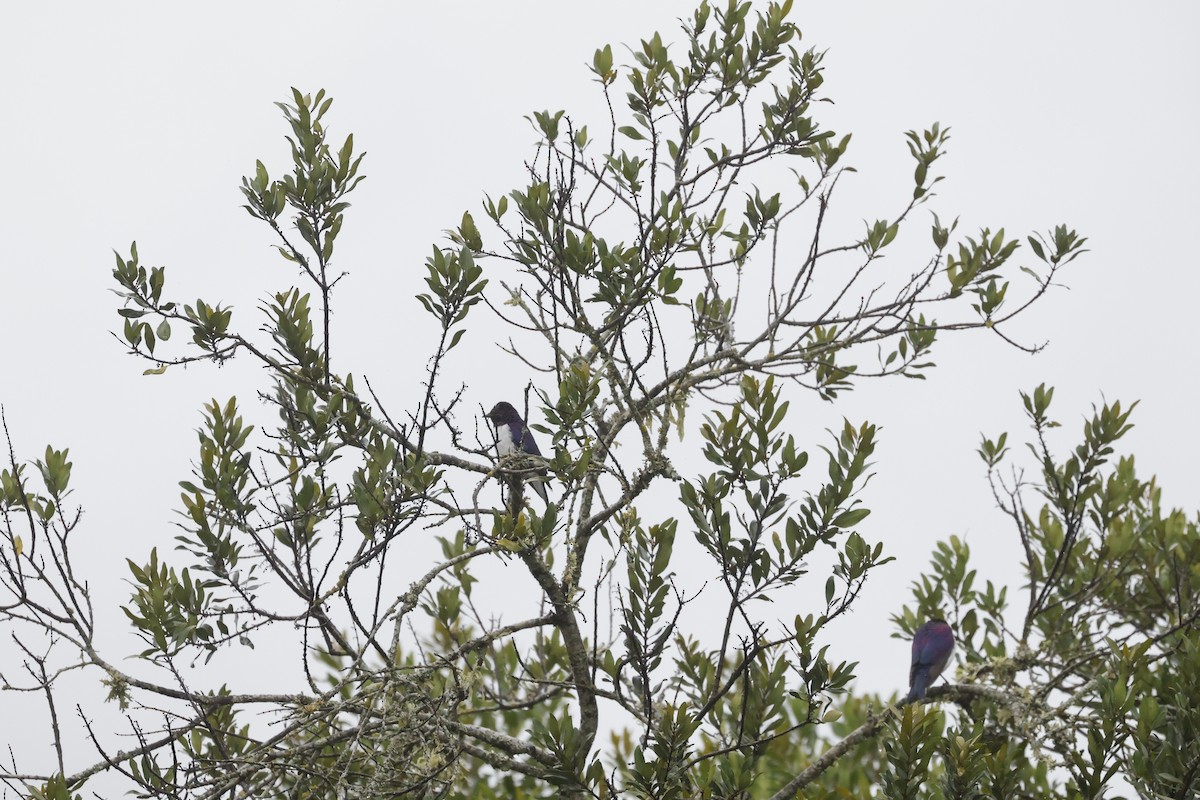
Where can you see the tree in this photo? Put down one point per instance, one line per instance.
(678, 262)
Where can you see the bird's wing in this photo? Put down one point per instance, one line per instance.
(928, 654)
(940, 658)
(525, 437)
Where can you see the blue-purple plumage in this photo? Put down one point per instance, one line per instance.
(932, 645)
(513, 435)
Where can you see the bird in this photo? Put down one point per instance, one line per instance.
(932, 645)
(514, 436)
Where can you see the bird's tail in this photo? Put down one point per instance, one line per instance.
(539, 486)
(919, 687)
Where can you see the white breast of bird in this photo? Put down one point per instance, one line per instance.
(504, 440)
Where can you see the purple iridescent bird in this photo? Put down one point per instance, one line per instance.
(931, 649)
(512, 436)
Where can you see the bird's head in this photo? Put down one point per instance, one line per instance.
(939, 628)
(503, 414)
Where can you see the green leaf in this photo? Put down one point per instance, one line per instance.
(848, 519)
(470, 233)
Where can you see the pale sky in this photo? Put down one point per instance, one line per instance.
(127, 121)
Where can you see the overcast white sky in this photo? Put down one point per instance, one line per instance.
(130, 121)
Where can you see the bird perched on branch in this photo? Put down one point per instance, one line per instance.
(932, 645)
(514, 436)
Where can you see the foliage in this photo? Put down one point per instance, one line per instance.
(639, 274)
